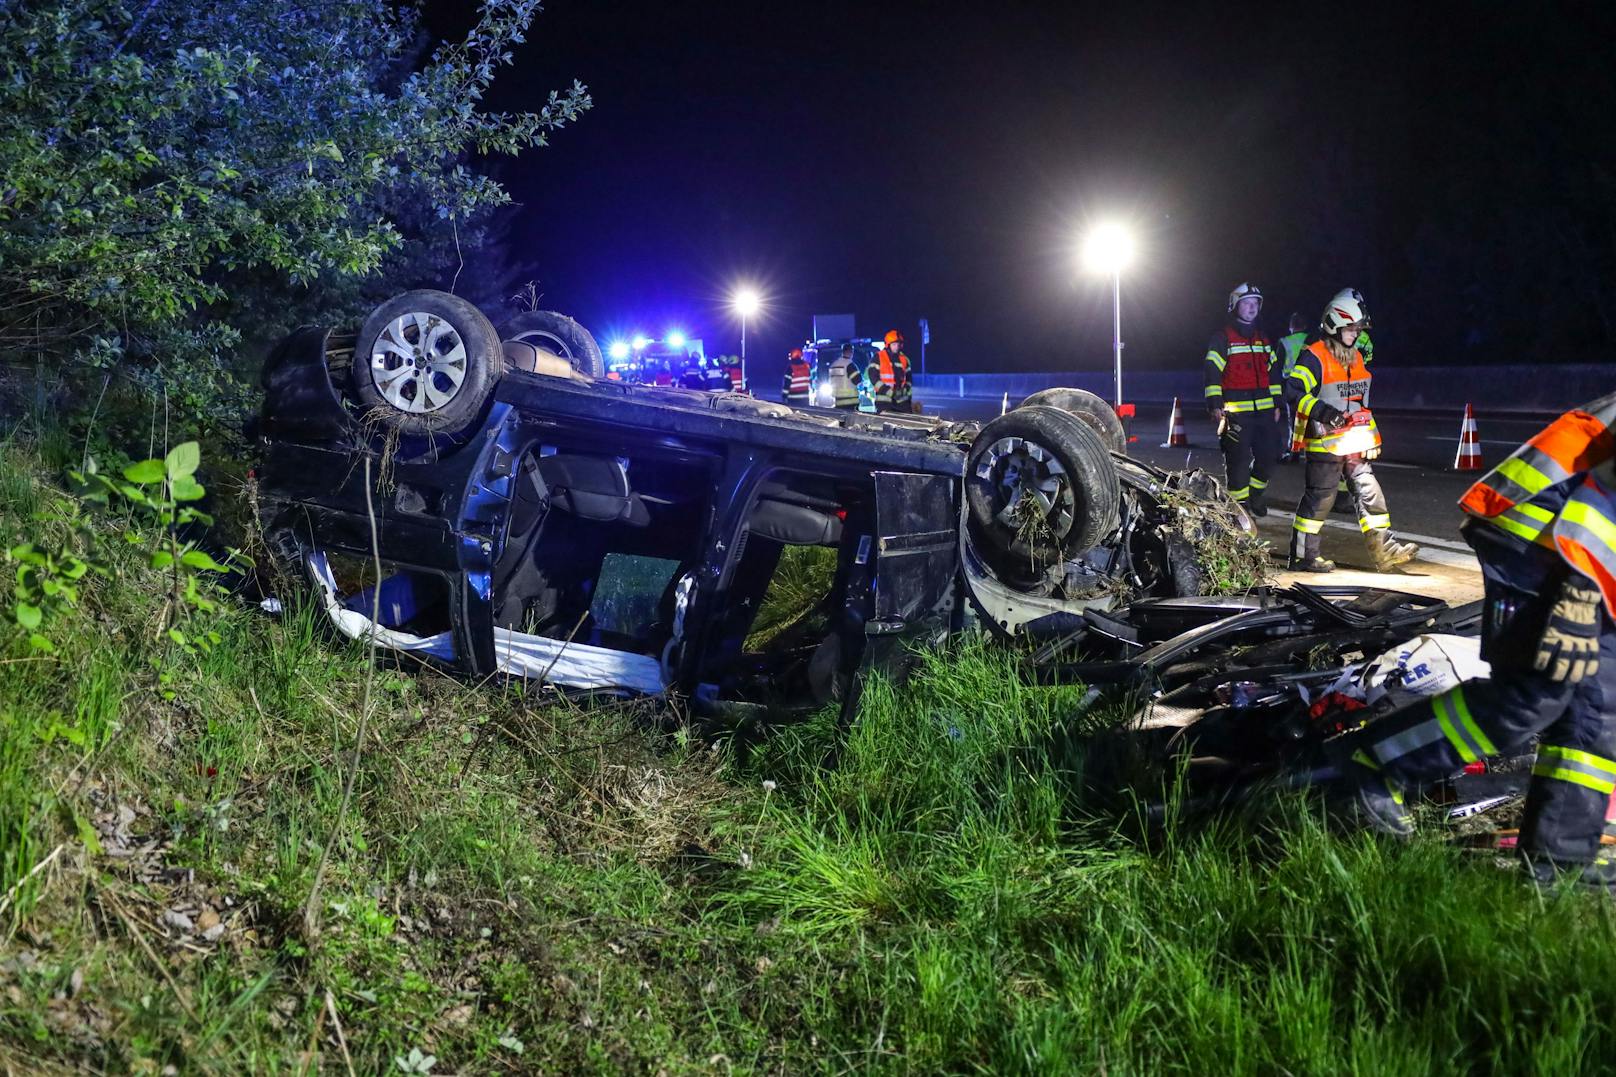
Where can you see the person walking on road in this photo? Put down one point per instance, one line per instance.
(1329, 387)
(1543, 525)
(1241, 393)
(797, 388)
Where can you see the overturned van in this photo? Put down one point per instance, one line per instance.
(533, 519)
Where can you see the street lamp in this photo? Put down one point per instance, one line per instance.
(1109, 249)
(746, 302)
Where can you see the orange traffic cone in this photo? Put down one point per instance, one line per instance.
(1468, 458)
(1175, 428)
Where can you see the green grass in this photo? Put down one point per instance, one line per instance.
(523, 886)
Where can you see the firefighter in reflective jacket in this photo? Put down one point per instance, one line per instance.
(1242, 390)
(797, 388)
(842, 379)
(1543, 525)
(903, 390)
(887, 373)
(1329, 388)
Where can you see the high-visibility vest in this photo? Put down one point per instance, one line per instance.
(840, 374)
(1291, 346)
(904, 389)
(1241, 364)
(797, 383)
(1556, 491)
(1345, 388)
(880, 376)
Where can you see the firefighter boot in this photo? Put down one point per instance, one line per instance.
(1305, 554)
(1374, 800)
(1387, 551)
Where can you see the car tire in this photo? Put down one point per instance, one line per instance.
(425, 363)
(1054, 458)
(1099, 415)
(559, 335)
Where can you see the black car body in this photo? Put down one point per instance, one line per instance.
(624, 538)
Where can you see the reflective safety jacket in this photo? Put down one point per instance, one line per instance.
(1239, 368)
(903, 389)
(1290, 349)
(737, 381)
(1319, 376)
(1366, 346)
(881, 376)
(843, 378)
(798, 383)
(1559, 491)
(717, 380)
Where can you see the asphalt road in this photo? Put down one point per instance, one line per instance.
(1415, 470)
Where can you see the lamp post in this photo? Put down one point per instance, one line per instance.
(1109, 249)
(746, 303)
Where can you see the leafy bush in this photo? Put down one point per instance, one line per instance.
(153, 154)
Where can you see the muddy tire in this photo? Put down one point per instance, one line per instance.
(1040, 487)
(425, 362)
(1100, 416)
(559, 335)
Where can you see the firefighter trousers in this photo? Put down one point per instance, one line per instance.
(1575, 771)
(1323, 475)
(1250, 445)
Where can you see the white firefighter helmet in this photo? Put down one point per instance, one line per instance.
(1345, 311)
(1245, 290)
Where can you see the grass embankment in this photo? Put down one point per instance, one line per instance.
(523, 886)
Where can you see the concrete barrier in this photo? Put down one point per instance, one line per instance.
(1538, 389)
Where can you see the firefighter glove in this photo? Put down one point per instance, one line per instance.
(1569, 649)
(1327, 416)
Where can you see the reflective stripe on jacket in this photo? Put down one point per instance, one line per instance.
(1239, 370)
(1546, 493)
(880, 375)
(903, 390)
(1319, 377)
(843, 378)
(797, 380)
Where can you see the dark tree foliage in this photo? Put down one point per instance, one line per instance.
(173, 173)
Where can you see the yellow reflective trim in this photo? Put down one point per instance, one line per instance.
(1306, 377)
(1445, 720)
(1524, 475)
(1378, 522)
(1305, 404)
(1516, 528)
(1214, 390)
(1308, 527)
(1575, 777)
(1217, 360)
(1259, 484)
(1457, 699)
(1585, 515)
(1576, 755)
(1536, 512)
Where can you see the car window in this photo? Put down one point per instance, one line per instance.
(629, 591)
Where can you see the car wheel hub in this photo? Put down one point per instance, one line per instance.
(418, 363)
(1026, 477)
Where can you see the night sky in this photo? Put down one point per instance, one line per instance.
(1455, 162)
